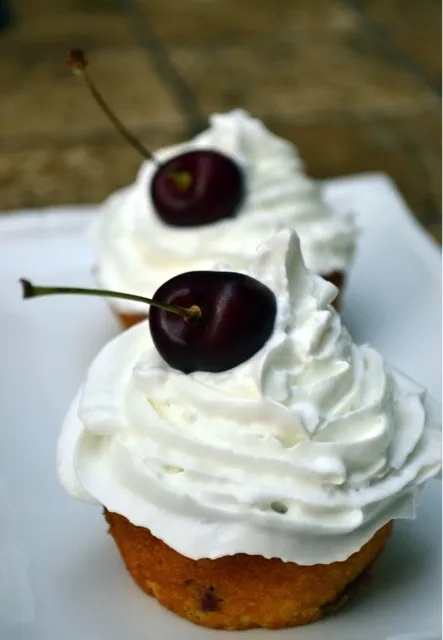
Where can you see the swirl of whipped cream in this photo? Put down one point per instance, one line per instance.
(301, 452)
(137, 251)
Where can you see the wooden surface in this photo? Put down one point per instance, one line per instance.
(356, 84)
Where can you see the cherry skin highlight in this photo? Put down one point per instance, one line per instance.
(237, 316)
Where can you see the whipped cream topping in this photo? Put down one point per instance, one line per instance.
(137, 251)
(301, 452)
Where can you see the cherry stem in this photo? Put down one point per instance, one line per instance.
(78, 63)
(31, 291)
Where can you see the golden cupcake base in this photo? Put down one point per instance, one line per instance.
(337, 278)
(240, 591)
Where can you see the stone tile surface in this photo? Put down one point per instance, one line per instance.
(226, 20)
(69, 23)
(341, 73)
(415, 27)
(425, 134)
(43, 96)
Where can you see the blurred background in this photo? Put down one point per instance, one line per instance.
(355, 84)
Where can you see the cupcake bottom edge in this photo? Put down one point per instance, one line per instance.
(241, 591)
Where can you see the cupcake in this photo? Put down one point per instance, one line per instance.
(137, 250)
(211, 199)
(253, 490)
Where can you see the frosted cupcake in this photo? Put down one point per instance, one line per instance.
(266, 489)
(137, 251)
(211, 199)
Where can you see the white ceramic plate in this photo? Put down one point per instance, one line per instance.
(61, 577)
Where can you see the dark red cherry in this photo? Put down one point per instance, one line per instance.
(194, 188)
(200, 320)
(237, 318)
(197, 188)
